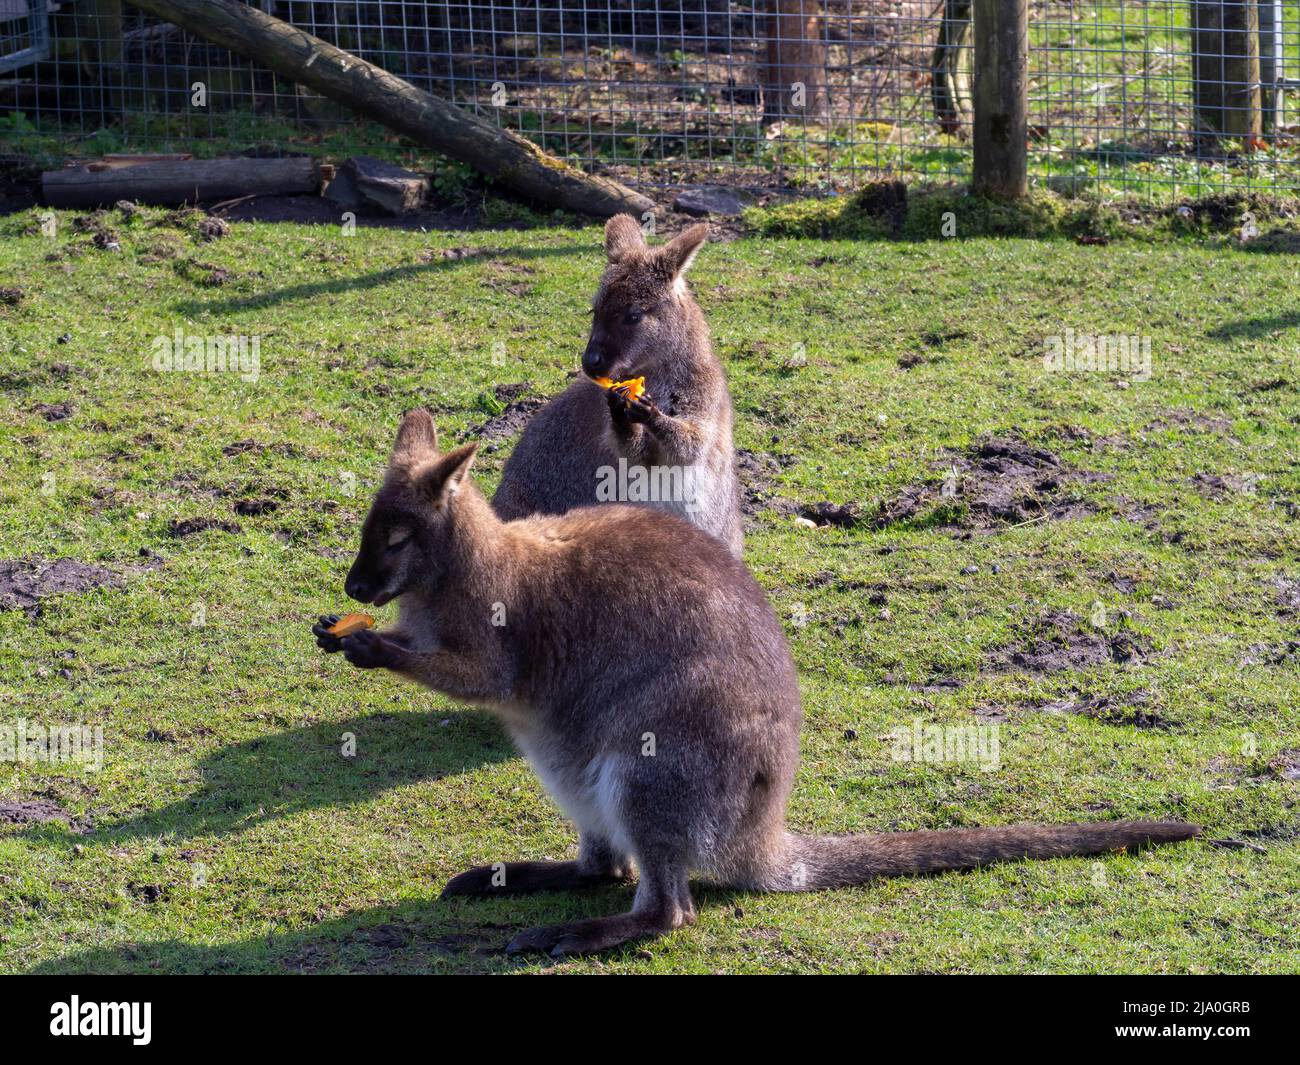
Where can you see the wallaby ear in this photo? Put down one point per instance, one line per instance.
(677, 255)
(416, 438)
(622, 235)
(441, 478)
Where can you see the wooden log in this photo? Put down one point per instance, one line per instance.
(1225, 70)
(180, 181)
(500, 154)
(1000, 129)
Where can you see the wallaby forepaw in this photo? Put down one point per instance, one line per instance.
(367, 650)
(642, 411)
(326, 640)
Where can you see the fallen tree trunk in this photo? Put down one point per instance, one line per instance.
(499, 154)
(179, 181)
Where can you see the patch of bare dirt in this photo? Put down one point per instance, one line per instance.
(1216, 487)
(254, 507)
(758, 473)
(183, 527)
(1288, 594)
(1283, 653)
(316, 210)
(1133, 709)
(1000, 481)
(1060, 640)
(519, 411)
(54, 412)
(1287, 764)
(25, 582)
(1182, 418)
(37, 812)
(256, 447)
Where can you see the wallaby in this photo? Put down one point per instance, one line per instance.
(640, 669)
(672, 447)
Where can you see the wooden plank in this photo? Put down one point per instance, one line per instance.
(1000, 167)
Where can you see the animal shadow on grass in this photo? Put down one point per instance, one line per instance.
(1256, 328)
(460, 936)
(288, 772)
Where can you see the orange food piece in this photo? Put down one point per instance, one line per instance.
(632, 389)
(350, 623)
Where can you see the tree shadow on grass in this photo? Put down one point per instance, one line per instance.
(377, 279)
(283, 774)
(458, 936)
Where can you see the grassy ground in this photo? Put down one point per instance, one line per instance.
(226, 831)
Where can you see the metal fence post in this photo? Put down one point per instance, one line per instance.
(1001, 99)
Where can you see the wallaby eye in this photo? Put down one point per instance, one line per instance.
(632, 317)
(398, 536)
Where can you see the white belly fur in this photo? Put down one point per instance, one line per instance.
(590, 797)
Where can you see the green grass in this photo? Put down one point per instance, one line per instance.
(228, 832)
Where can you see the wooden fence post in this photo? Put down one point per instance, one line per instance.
(1001, 99)
(1225, 70)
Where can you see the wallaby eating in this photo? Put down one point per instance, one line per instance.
(660, 710)
(670, 447)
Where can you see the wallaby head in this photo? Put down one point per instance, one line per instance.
(643, 311)
(407, 537)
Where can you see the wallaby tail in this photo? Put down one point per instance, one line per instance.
(814, 862)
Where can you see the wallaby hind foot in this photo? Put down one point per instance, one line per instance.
(663, 903)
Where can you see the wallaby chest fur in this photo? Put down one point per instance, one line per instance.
(674, 451)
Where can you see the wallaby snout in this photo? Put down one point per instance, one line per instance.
(357, 587)
(596, 359)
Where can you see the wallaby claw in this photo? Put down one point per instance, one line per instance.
(626, 411)
(641, 411)
(325, 640)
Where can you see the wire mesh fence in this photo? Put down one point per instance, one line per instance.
(1164, 97)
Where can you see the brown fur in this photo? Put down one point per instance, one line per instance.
(641, 670)
(684, 423)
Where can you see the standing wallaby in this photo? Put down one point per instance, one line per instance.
(640, 669)
(672, 446)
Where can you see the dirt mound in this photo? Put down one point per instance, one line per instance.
(758, 472)
(183, 527)
(511, 421)
(1060, 640)
(999, 481)
(25, 582)
(36, 812)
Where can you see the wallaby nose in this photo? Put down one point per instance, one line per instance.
(593, 360)
(358, 589)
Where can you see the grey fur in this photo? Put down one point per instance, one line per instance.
(686, 424)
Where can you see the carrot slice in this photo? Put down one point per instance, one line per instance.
(350, 623)
(632, 389)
